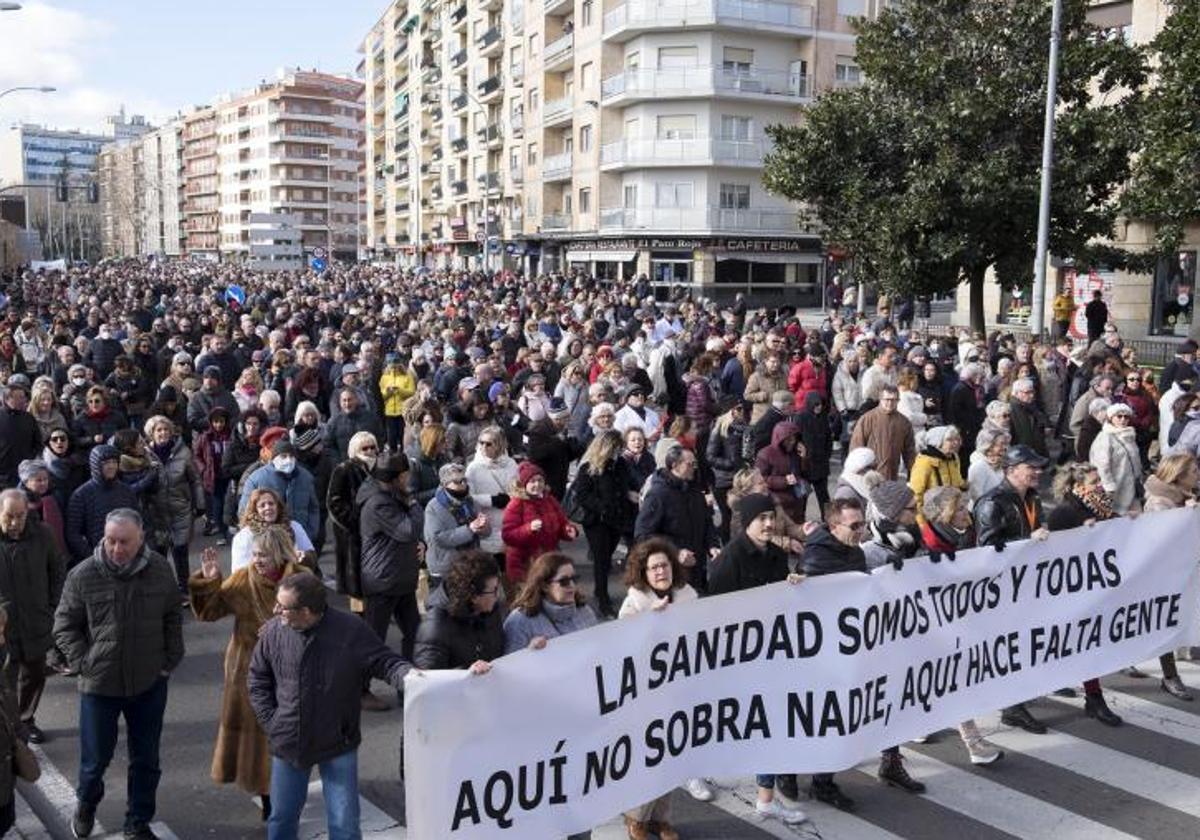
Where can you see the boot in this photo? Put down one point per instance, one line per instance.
(830, 794)
(1019, 717)
(637, 830)
(1095, 707)
(1172, 685)
(892, 772)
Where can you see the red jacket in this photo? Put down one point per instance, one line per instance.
(521, 543)
(209, 449)
(805, 377)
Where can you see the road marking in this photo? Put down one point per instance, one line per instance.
(28, 826)
(736, 798)
(1001, 807)
(52, 798)
(1102, 764)
(1147, 714)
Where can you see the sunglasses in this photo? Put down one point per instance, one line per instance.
(58, 438)
(854, 526)
(368, 449)
(566, 580)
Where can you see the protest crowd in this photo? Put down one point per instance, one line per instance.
(427, 445)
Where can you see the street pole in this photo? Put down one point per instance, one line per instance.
(1038, 304)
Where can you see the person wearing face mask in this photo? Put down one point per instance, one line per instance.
(103, 493)
(291, 482)
(344, 483)
(241, 755)
(452, 523)
(892, 535)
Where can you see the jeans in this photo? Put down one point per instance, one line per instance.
(98, 717)
(339, 786)
(765, 780)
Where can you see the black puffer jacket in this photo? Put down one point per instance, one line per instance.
(120, 633)
(1000, 516)
(727, 453)
(816, 436)
(677, 510)
(743, 565)
(825, 554)
(239, 456)
(306, 687)
(31, 581)
(451, 640)
(603, 497)
(553, 453)
(390, 529)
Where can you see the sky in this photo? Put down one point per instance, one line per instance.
(160, 57)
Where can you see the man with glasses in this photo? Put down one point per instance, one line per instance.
(887, 433)
(1013, 511)
(305, 682)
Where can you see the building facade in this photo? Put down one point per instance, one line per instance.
(625, 138)
(140, 205)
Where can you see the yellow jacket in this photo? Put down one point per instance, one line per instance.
(396, 386)
(930, 471)
(1063, 306)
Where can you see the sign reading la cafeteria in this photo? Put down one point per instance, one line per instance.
(716, 243)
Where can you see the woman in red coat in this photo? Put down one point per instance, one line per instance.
(809, 375)
(533, 523)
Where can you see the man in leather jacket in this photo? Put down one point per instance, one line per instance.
(1013, 511)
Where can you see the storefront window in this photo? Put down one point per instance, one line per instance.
(671, 271)
(1174, 293)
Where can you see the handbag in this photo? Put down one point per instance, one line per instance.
(25, 763)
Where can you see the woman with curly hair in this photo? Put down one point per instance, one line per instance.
(464, 623)
(264, 510)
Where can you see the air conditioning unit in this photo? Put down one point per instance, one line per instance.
(748, 85)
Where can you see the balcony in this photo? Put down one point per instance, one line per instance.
(693, 220)
(402, 174)
(516, 72)
(430, 170)
(558, 111)
(557, 167)
(490, 181)
(780, 86)
(489, 42)
(400, 50)
(559, 52)
(458, 188)
(634, 18)
(458, 59)
(516, 19)
(692, 151)
(490, 88)
(516, 124)
(458, 18)
(558, 7)
(556, 221)
(459, 103)
(516, 174)
(402, 208)
(458, 145)
(489, 135)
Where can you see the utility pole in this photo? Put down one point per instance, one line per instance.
(1038, 304)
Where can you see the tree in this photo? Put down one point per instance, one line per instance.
(1165, 189)
(928, 174)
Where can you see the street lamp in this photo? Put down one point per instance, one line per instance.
(10, 7)
(1038, 311)
(36, 88)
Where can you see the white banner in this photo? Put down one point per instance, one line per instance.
(782, 679)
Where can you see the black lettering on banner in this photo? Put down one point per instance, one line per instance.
(995, 657)
(864, 705)
(1141, 617)
(466, 807)
(693, 729)
(932, 680)
(1017, 575)
(628, 687)
(612, 763)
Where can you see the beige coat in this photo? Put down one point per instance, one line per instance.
(759, 388)
(890, 437)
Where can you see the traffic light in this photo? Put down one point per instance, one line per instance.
(93, 193)
(61, 189)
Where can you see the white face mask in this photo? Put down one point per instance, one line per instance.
(78, 381)
(283, 463)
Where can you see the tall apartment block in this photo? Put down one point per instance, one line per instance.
(139, 180)
(621, 136)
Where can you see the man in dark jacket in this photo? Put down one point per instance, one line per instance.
(1029, 425)
(1096, 313)
(224, 360)
(1180, 367)
(211, 395)
(102, 353)
(20, 439)
(1013, 511)
(833, 549)
(305, 683)
(90, 504)
(675, 507)
(352, 418)
(391, 526)
(548, 446)
(31, 581)
(761, 430)
(119, 625)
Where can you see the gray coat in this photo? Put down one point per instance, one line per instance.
(181, 492)
(552, 620)
(444, 537)
(120, 633)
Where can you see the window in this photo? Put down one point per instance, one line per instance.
(633, 61)
(533, 100)
(586, 71)
(846, 71)
(630, 196)
(586, 13)
(677, 57)
(735, 196)
(514, 160)
(852, 8)
(568, 85)
(673, 195)
(533, 39)
(737, 60)
(566, 205)
(531, 157)
(677, 127)
(734, 127)
(585, 138)
(585, 200)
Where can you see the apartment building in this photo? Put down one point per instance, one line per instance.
(624, 137)
(201, 196)
(139, 179)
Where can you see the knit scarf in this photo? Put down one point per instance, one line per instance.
(1095, 499)
(463, 511)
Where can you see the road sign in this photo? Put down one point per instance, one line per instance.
(318, 264)
(479, 237)
(320, 253)
(235, 294)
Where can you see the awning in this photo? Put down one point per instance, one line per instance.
(600, 256)
(774, 259)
